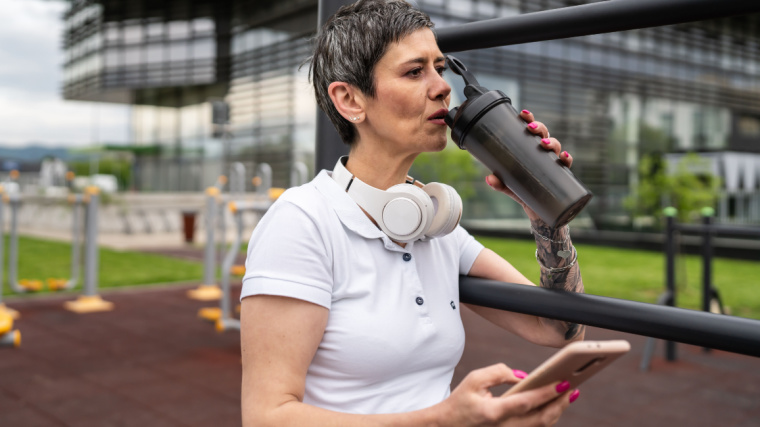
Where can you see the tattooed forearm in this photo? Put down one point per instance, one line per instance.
(559, 269)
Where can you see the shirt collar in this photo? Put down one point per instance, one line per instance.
(350, 214)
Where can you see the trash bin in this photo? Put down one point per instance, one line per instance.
(188, 224)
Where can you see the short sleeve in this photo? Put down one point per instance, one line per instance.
(287, 257)
(469, 249)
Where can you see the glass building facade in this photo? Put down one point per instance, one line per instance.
(611, 99)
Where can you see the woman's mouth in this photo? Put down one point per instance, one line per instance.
(437, 117)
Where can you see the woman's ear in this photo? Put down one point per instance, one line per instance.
(348, 100)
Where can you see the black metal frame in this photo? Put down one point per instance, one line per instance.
(732, 334)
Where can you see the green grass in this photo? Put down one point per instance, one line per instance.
(640, 275)
(42, 259)
(620, 273)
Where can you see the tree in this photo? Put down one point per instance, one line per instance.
(450, 166)
(689, 188)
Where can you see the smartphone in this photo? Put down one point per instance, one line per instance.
(575, 363)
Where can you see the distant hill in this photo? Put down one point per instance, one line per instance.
(34, 153)
(28, 158)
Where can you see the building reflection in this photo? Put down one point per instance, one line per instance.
(609, 98)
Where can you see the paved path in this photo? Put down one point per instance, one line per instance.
(151, 362)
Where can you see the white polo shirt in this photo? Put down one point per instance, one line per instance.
(394, 333)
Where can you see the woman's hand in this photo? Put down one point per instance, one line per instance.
(472, 404)
(547, 143)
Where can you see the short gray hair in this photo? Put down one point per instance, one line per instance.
(350, 44)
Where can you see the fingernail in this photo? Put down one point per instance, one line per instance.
(574, 395)
(532, 125)
(488, 182)
(526, 112)
(546, 141)
(562, 387)
(564, 153)
(520, 374)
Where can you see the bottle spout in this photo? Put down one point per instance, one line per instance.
(460, 69)
(473, 87)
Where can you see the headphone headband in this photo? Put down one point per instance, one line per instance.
(405, 212)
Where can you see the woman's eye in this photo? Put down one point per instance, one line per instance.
(416, 72)
(441, 70)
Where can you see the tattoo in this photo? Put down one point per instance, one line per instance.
(555, 251)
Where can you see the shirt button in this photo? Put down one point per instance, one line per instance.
(419, 301)
(407, 257)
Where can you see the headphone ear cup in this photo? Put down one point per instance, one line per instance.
(397, 216)
(448, 211)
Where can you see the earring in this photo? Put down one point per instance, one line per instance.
(355, 118)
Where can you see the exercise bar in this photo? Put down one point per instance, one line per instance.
(587, 19)
(725, 230)
(734, 334)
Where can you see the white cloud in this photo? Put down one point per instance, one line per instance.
(32, 109)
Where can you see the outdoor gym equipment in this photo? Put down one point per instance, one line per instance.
(226, 320)
(711, 301)
(90, 301)
(299, 175)
(222, 315)
(77, 204)
(9, 337)
(209, 290)
(23, 285)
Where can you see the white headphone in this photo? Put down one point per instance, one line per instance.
(404, 212)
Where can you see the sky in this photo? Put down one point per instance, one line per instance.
(32, 109)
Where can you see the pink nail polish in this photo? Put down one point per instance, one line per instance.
(520, 374)
(487, 182)
(565, 154)
(526, 112)
(562, 387)
(574, 395)
(532, 125)
(546, 141)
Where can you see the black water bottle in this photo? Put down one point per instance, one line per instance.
(489, 127)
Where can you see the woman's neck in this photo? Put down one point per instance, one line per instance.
(378, 168)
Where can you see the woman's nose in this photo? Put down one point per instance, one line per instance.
(440, 89)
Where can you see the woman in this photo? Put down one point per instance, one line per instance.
(343, 325)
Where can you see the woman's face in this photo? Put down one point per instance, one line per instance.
(411, 98)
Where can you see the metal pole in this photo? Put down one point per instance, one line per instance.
(210, 248)
(4, 311)
(706, 263)
(13, 245)
(734, 334)
(264, 181)
(15, 202)
(329, 146)
(670, 272)
(91, 261)
(595, 18)
(2, 246)
(208, 290)
(90, 301)
(76, 201)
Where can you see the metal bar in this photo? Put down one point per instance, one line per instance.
(726, 230)
(734, 334)
(90, 287)
(2, 245)
(707, 288)
(670, 275)
(583, 20)
(706, 264)
(209, 253)
(329, 145)
(15, 203)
